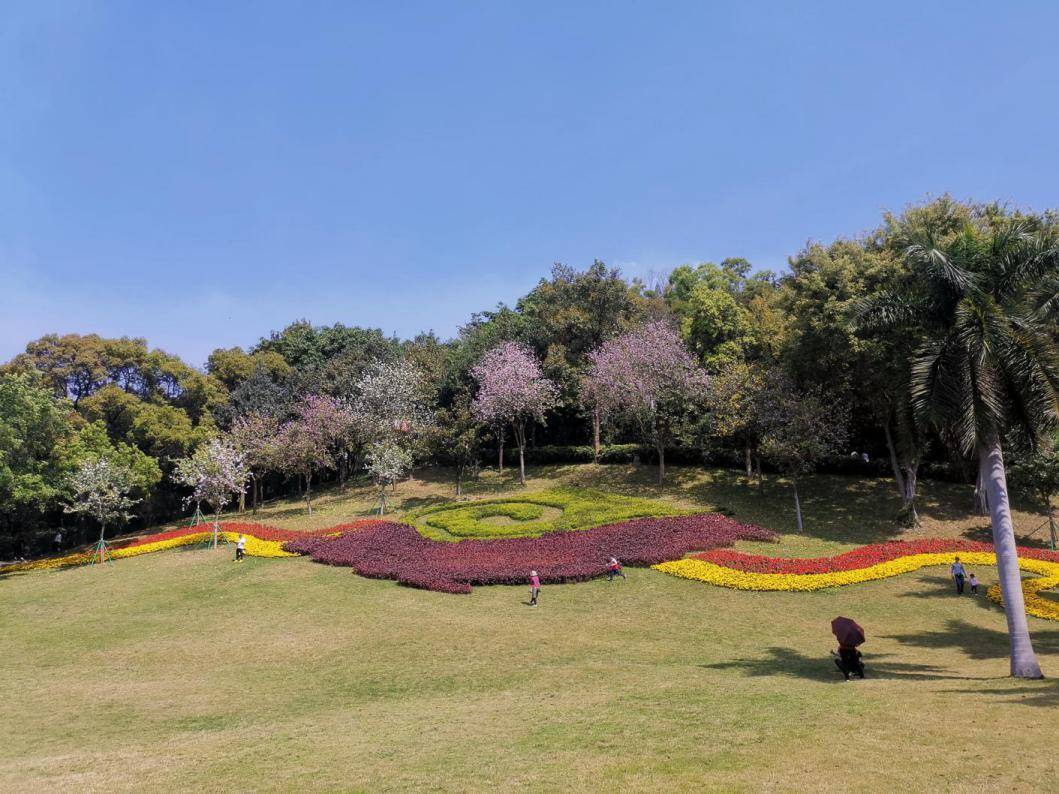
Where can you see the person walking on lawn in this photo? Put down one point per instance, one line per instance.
(535, 588)
(240, 548)
(958, 573)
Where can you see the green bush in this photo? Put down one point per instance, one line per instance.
(529, 514)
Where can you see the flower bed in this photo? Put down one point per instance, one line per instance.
(261, 541)
(727, 568)
(390, 550)
(581, 508)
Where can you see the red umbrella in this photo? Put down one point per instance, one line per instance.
(847, 632)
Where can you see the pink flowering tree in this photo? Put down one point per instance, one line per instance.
(512, 390)
(648, 377)
(313, 439)
(256, 435)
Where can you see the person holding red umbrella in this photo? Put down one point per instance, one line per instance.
(849, 635)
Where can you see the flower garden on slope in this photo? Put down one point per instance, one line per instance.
(390, 550)
(532, 514)
(728, 568)
(261, 541)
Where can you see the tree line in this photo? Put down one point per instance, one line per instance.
(843, 353)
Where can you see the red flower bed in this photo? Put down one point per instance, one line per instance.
(259, 531)
(387, 550)
(857, 558)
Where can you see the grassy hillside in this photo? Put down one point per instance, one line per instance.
(183, 671)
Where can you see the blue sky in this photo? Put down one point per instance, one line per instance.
(200, 173)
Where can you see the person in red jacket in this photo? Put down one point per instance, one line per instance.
(614, 569)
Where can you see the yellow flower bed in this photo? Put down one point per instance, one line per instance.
(703, 571)
(255, 547)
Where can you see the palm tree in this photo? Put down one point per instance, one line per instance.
(984, 303)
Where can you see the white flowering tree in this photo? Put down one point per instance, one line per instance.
(387, 462)
(214, 472)
(391, 403)
(512, 390)
(101, 490)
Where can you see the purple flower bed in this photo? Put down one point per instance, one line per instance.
(388, 550)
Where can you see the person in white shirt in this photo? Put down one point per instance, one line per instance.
(240, 548)
(958, 573)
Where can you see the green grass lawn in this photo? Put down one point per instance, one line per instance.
(183, 671)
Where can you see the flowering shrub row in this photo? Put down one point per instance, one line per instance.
(388, 550)
(580, 508)
(857, 558)
(753, 572)
(261, 541)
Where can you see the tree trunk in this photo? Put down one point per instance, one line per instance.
(382, 499)
(991, 474)
(661, 463)
(342, 472)
(216, 527)
(595, 435)
(255, 486)
(500, 445)
(797, 505)
(459, 481)
(102, 542)
(519, 431)
(749, 463)
(309, 493)
(893, 460)
(981, 494)
(242, 500)
(908, 495)
(760, 476)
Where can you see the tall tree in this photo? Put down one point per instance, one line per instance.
(799, 430)
(512, 389)
(984, 303)
(648, 376)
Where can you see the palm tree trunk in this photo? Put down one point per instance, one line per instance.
(797, 505)
(991, 474)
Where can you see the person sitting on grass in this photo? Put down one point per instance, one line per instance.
(614, 569)
(848, 661)
(240, 548)
(535, 588)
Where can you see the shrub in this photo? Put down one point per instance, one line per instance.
(388, 550)
(580, 509)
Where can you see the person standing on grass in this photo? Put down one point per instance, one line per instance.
(614, 569)
(958, 573)
(973, 582)
(535, 588)
(240, 548)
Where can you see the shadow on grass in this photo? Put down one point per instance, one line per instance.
(788, 663)
(976, 642)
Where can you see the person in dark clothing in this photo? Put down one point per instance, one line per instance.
(848, 661)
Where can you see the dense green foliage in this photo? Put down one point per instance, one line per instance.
(537, 512)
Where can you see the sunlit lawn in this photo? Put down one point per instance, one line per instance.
(184, 671)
